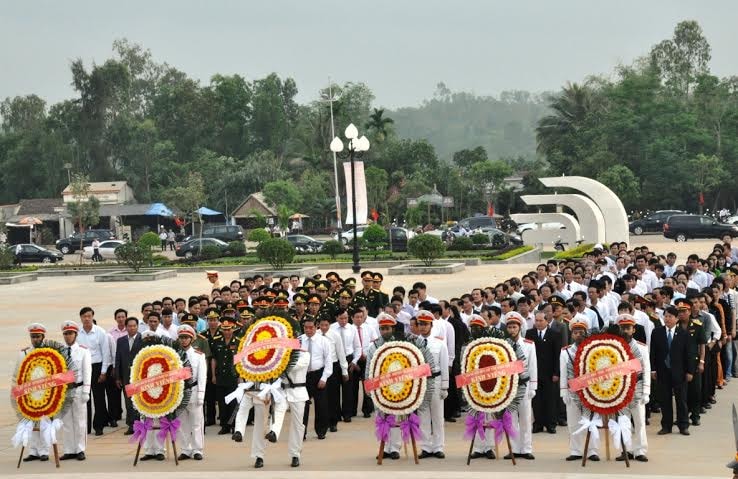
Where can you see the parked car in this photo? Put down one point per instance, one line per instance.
(684, 227)
(476, 222)
(500, 239)
(71, 244)
(652, 223)
(225, 233)
(305, 244)
(193, 247)
(31, 253)
(545, 226)
(398, 238)
(107, 249)
(347, 235)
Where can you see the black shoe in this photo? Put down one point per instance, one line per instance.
(684, 432)
(551, 430)
(695, 422)
(259, 463)
(43, 458)
(321, 436)
(113, 424)
(210, 423)
(527, 456)
(476, 455)
(347, 419)
(183, 457)
(508, 456)
(450, 419)
(197, 456)
(394, 455)
(66, 457)
(663, 431)
(424, 454)
(621, 457)
(147, 457)
(703, 410)
(295, 462)
(439, 455)
(648, 422)
(81, 456)
(333, 429)
(237, 436)
(250, 423)
(271, 437)
(159, 457)
(562, 423)
(708, 406)
(224, 430)
(490, 454)
(129, 431)
(99, 432)
(641, 458)
(537, 429)
(574, 458)
(594, 458)
(367, 414)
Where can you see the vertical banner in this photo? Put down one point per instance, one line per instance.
(361, 201)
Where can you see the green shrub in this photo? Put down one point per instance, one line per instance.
(159, 259)
(577, 252)
(149, 240)
(133, 255)
(480, 238)
(275, 251)
(258, 235)
(237, 248)
(426, 248)
(332, 248)
(374, 236)
(513, 252)
(210, 252)
(7, 257)
(461, 243)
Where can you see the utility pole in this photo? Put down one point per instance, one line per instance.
(335, 164)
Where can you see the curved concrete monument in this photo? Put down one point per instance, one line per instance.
(569, 234)
(591, 221)
(616, 219)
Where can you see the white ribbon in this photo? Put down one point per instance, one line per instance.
(239, 391)
(275, 389)
(48, 429)
(620, 429)
(22, 433)
(590, 424)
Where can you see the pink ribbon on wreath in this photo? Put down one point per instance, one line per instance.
(474, 425)
(168, 427)
(140, 429)
(383, 423)
(410, 427)
(503, 425)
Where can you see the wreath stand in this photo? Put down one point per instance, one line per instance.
(54, 446)
(605, 427)
(497, 448)
(166, 445)
(380, 456)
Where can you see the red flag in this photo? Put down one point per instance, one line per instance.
(375, 215)
(490, 208)
(701, 199)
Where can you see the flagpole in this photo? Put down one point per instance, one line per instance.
(335, 164)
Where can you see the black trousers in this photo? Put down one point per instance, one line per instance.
(115, 403)
(319, 401)
(100, 420)
(210, 400)
(666, 391)
(709, 379)
(348, 398)
(224, 410)
(333, 393)
(367, 406)
(545, 404)
(451, 404)
(131, 413)
(694, 396)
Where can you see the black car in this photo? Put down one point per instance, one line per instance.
(31, 253)
(193, 247)
(225, 233)
(72, 243)
(652, 223)
(305, 244)
(476, 222)
(683, 227)
(398, 238)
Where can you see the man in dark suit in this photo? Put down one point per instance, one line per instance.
(126, 349)
(548, 348)
(672, 367)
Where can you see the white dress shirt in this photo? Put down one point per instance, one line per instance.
(444, 330)
(320, 354)
(337, 351)
(350, 339)
(96, 341)
(367, 334)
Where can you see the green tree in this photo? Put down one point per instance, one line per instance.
(705, 173)
(378, 125)
(85, 209)
(683, 58)
(187, 197)
(621, 180)
(377, 182)
(282, 193)
(426, 248)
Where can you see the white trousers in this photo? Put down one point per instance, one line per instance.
(576, 441)
(522, 443)
(297, 428)
(639, 447)
(432, 425)
(488, 443)
(151, 445)
(190, 433)
(242, 416)
(74, 427)
(37, 446)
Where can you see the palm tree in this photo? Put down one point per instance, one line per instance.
(570, 109)
(379, 124)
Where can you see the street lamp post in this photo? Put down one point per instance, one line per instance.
(356, 147)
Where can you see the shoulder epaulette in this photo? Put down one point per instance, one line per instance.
(201, 336)
(82, 346)
(198, 351)
(528, 340)
(218, 336)
(697, 322)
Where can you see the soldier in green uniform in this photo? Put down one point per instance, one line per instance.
(225, 377)
(335, 283)
(696, 341)
(377, 284)
(350, 283)
(368, 294)
(200, 343)
(313, 305)
(211, 334)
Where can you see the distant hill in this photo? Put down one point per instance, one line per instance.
(504, 126)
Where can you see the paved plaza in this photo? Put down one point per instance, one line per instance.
(350, 452)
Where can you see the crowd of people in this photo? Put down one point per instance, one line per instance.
(679, 320)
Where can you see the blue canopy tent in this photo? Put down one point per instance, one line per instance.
(205, 211)
(159, 209)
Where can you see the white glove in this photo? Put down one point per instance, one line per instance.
(85, 397)
(530, 393)
(645, 399)
(566, 397)
(444, 393)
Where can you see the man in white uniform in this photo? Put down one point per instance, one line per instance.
(431, 416)
(74, 420)
(190, 434)
(152, 448)
(38, 450)
(522, 444)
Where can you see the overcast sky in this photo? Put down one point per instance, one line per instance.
(400, 48)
